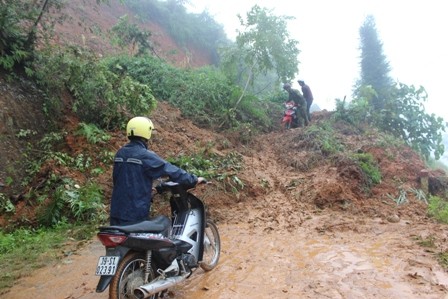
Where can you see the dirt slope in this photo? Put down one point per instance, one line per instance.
(89, 25)
(302, 227)
(277, 243)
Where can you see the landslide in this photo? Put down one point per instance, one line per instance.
(293, 182)
(322, 178)
(302, 226)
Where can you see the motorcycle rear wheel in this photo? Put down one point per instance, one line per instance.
(130, 275)
(212, 246)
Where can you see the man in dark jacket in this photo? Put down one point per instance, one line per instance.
(299, 100)
(308, 95)
(135, 169)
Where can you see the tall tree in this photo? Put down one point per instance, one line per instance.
(264, 45)
(128, 34)
(395, 108)
(22, 24)
(375, 68)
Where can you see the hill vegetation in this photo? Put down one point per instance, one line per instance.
(71, 89)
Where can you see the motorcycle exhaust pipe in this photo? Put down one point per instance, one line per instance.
(155, 287)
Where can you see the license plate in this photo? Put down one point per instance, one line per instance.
(107, 265)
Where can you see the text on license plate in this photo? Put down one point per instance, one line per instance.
(107, 265)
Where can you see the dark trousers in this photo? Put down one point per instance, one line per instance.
(308, 106)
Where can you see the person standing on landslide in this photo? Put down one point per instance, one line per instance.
(299, 100)
(135, 169)
(308, 95)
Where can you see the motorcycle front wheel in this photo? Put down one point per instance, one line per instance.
(129, 276)
(212, 246)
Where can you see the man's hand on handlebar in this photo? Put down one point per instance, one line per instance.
(201, 180)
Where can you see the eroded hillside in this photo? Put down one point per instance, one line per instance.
(305, 222)
(302, 226)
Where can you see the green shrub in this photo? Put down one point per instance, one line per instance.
(6, 205)
(211, 166)
(443, 259)
(205, 95)
(321, 138)
(403, 115)
(438, 208)
(354, 113)
(101, 96)
(369, 167)
(70, 201)
(92, 133)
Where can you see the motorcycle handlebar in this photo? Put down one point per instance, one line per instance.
(176, 187)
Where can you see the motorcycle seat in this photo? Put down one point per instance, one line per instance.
(159, 224)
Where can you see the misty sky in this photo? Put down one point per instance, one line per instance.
(413, 34)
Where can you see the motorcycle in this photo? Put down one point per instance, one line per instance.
(289, 116)
(143, 260)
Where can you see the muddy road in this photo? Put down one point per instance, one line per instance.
(329, 256)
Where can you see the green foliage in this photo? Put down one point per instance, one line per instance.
(419, 194)
(69, 201)
(6, 205)
(101, 96)
(438, 208)
(388, 140)
(369, 167)
(208, 165)
(322, 138)
(21, 22)
(205, 95)
(51, 150)
(8, 181)
(129, 35)
(403, 116)
(13, 36)
(27, 240)
(92, 133)
(263, 46)
(443, 259)
(24, 133)
(33, 248)
(355, 112)
(394, 108)
(212, 166)
(51, 139)
(185, 28)
(374, 67)
(265, 43)
(401, 198)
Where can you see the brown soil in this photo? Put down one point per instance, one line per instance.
(289, 233)
(303, 226)
(89, 25)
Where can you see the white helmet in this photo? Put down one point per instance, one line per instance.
(140, 126)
